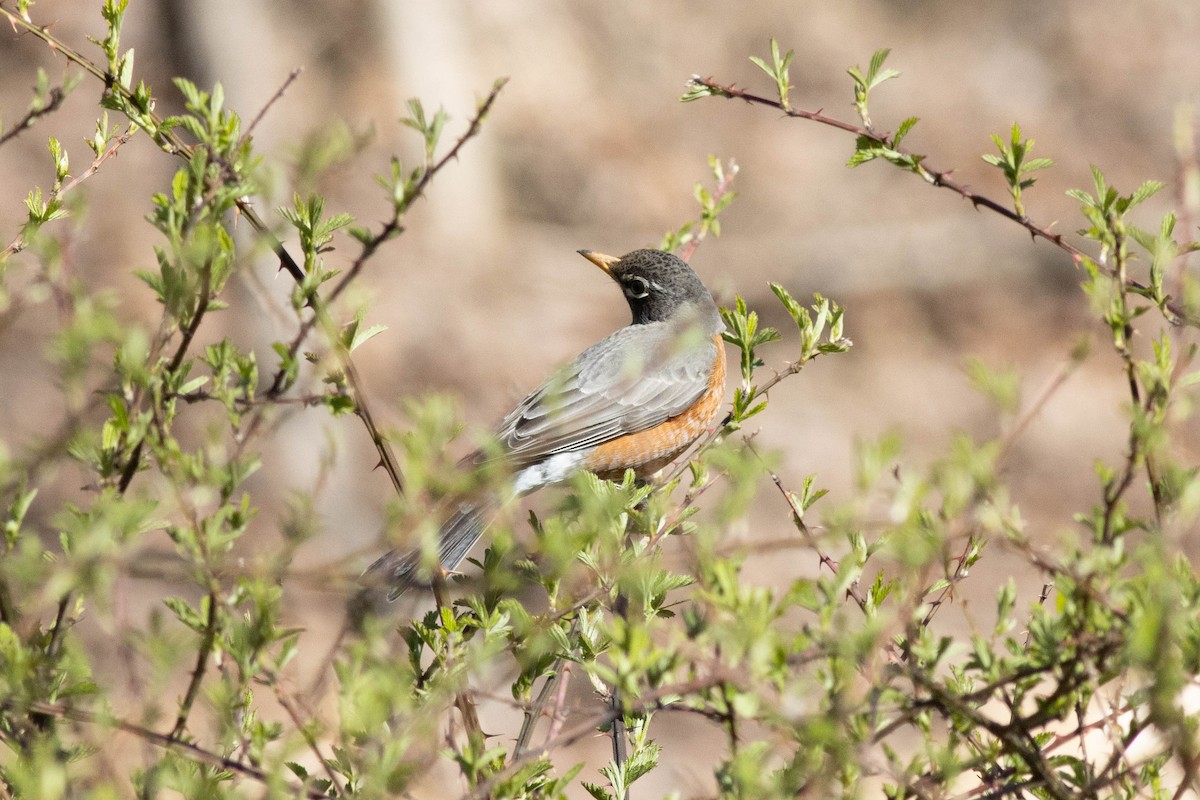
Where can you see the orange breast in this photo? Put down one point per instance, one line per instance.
(648, 451)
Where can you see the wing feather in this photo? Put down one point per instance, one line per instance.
(638, 377)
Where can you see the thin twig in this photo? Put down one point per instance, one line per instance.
(392, 226)
(110, 152)
(1052, 386)
(473, 128)
(655, 700)
(464, 701)
(724, 427)
(952, 580)
(387, 459)
(185, 342)
(59, 626)
(207, 642)
(19, 243)
(533, 712)
(1186, 180)
(169, 141)
(798, 520)
(722, 188)
(730, 718)
(935, 177)
(53, 101)
(262, 112)
(168, 743)
(304, 727)
(1041, 601)
(617, 730)
(558, 712)
(317, 684)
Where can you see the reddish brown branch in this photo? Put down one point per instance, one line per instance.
(262, 112)
(936, 177)
(53, 101)
(418, 190)
(826, 561)
(168, 743)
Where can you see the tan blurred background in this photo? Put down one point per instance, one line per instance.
(588, 147)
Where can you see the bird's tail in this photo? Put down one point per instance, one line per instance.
(399, 570)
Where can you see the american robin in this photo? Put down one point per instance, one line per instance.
(634, 400)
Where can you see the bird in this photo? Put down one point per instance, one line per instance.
(635, 400)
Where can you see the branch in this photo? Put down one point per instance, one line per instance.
(705, 223)
(727, 424)
(19, 243)
(418, 190)
(798, 520)
(1052, 386)
(170, 142)
(53, 101)
(935, 177)
(656, 700)
(387, 458)
(168, 743)
(392, 226)
(207, 642)
(952, 580)
(534, 711)
(262, 112)
(305, 729)
(1014, 736)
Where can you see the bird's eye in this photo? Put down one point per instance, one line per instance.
(637, 287)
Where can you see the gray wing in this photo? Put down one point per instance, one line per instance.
(639, 377)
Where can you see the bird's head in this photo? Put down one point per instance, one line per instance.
(658, 286)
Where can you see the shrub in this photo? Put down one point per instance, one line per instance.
(839, 683)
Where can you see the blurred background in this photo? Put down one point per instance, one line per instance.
(588, 147)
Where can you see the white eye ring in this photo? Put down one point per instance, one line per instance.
(637, 287)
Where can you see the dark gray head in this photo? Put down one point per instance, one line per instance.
(657, 285)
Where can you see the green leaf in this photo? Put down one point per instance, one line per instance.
(362, 336)
(905, 126)
(186, 614)
(758, 62)
(1144, 192)
(777, 70)
(338, 403)
(597, 791)
(1003, 386)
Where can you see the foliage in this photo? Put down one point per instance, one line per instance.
(839, 683)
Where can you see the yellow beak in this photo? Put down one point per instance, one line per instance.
(600, 260)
